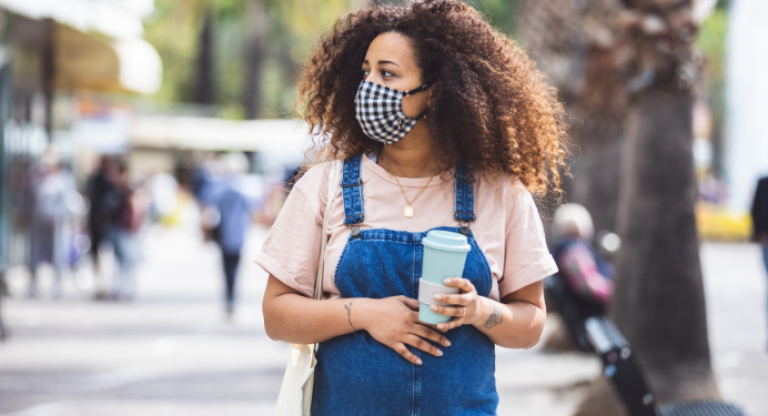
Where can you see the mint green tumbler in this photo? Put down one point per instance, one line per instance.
(444, 255)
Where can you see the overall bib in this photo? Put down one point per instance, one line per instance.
(356, 375)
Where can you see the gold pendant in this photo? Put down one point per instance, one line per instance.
(408, 212)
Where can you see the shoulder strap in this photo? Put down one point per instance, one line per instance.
(333, 180)
(352, 188)
(464, 193)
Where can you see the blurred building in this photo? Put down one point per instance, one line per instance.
(58, 59)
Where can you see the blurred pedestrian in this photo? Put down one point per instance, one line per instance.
(163, 188)
(588, 276)
(126, 233)
(226, 214)
(105, 199)
(51, 185)
(760, 218)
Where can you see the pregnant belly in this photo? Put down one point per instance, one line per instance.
(358, 375)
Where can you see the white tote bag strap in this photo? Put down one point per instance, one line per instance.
(333, 181)
(298, 382)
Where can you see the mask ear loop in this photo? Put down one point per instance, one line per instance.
(415, 90)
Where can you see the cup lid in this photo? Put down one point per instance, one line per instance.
(446, 241)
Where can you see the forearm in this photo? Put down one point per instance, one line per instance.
(301, 320)
(514, 325)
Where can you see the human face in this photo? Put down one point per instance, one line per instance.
(390, 61)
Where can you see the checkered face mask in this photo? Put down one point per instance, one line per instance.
(379, 110)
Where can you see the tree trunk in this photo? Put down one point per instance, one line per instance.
(659, 296)
(659, 301)
(572, 43)
(48, 74)
(205, 77)
(597, 143)
(255, 53)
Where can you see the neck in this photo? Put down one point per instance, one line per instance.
(411, 157)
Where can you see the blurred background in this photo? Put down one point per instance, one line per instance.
(146, 146)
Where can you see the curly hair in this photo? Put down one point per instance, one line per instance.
(490, 107)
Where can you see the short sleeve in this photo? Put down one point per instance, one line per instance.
(291, 250)
(526, 256)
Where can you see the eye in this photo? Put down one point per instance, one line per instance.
(386, 73)
(365, 73)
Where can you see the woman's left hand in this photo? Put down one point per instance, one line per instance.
(466, 307)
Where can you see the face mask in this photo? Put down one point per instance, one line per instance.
(379, 110)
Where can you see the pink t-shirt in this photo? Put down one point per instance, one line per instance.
(508, 228)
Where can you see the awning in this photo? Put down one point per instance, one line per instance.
(89, 62)
(118, 19)
(193, 133)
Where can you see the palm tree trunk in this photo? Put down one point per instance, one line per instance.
(659, 297)
(625, 70)
(597, 142)
(560, 35)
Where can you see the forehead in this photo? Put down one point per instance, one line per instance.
(391, 46)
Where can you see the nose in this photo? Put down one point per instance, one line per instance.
(373, 77)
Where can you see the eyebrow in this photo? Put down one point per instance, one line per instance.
(384, 62)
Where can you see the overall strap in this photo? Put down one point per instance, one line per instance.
(464, 189)
(352, 190)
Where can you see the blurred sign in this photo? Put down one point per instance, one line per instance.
(109, 133)
(87, 62)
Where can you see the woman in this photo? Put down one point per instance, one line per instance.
(442, 123)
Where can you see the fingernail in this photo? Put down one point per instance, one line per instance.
(439, 353)
(418, 361)
(433, 308)
(448, 281)
(441, 327)
(447, 343)
(438, 297)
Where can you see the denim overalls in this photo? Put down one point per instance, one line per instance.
(356, 374)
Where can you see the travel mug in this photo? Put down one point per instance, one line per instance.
(444, 255)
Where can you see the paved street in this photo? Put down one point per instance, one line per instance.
(171, 352)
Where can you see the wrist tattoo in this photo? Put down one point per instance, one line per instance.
(348, 307)
(496, 317)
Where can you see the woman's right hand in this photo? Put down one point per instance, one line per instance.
(394, 322)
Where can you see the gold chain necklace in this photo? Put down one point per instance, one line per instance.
(408, 210)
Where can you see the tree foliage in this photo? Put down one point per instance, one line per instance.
(293, 28)
(175, 28)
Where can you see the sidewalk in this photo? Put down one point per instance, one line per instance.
(171, 353)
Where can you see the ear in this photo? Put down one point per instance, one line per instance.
(430, 95)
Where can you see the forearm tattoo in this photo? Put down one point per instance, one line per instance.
(349, 314)
(496, 317)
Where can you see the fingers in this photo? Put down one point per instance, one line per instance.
(463, 284)
(453, 323)
(423, 345)
(459, 311)
(403, 350)
(411, 303)
(431, 334)
(462, 299)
